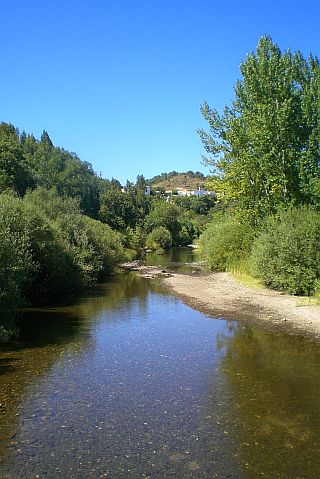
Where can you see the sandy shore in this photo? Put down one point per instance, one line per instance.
(220, 295)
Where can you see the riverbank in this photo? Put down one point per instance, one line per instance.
(221, 295)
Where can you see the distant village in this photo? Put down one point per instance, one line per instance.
(176, 191)
(181, 192)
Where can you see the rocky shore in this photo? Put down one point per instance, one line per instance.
(144, 271)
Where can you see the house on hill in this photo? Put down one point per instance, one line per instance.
(198, 192)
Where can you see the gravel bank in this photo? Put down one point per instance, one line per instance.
(220, 295)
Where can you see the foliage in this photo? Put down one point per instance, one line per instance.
(188, 229)
(172, 175)
(165, 215)
(107, 249)
(159, 237)
(93, 247)
(134, 238)
(14, 173)
(47, 248)
(200, 205)
(28, 163)
(286, 256)
(17, 266)
(265, 148)
(123, 209)
(226, 240)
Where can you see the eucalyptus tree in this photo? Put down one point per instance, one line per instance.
(264, 149)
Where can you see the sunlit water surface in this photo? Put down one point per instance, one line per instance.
(130, 382)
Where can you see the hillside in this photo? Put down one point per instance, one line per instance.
(174, 180)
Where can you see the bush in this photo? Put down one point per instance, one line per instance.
(226, 241)
(48, 248)
(164, 215)
(17, 266)
(105, 245)
(88, 247)
(286, 256)
(159, 238)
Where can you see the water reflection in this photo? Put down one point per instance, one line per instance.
(122, 400)
(67, 321)
(183, 260)
(274, 403)
(49, 334)
(130, 382)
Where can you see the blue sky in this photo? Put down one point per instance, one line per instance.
(120, 82)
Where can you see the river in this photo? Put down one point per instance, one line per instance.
(129, 382)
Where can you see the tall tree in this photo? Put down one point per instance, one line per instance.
(265, 147)
(46, 140)
(14, 173)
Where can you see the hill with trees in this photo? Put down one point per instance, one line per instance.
(173, 180)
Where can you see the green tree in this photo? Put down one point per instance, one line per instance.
(14, 173)
(17, 266)
(117, 209)
(159, 237)
(122, 209)
(264, 149)
(286, 255)
(166, 215)
(77, 180)
(46, 140)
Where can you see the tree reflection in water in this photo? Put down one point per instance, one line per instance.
(49, 333)
(274, 399)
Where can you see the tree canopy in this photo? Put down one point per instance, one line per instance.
(264, 149)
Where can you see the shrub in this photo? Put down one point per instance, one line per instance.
(286, 255)
(17, 266)
(88, 248)
(159, 238)
(48, 248)
(106, 246)
(165, 215)
(226, 241)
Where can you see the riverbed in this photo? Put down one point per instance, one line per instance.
(128, 381)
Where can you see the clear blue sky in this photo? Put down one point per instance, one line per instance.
(120, 82)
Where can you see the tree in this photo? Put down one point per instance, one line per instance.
(265, 147)
(166, 215)
(159, 237)
(77, 180)
(46, 140)
(14, 173)
(141, 183)
(123, 209)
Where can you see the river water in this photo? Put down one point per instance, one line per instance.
(129, 382)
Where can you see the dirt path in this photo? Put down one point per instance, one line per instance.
(222, 296)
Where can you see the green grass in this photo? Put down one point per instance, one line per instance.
(312, 300)
(241, 272)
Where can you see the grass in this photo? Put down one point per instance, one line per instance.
(312, 300)
(241, 272)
